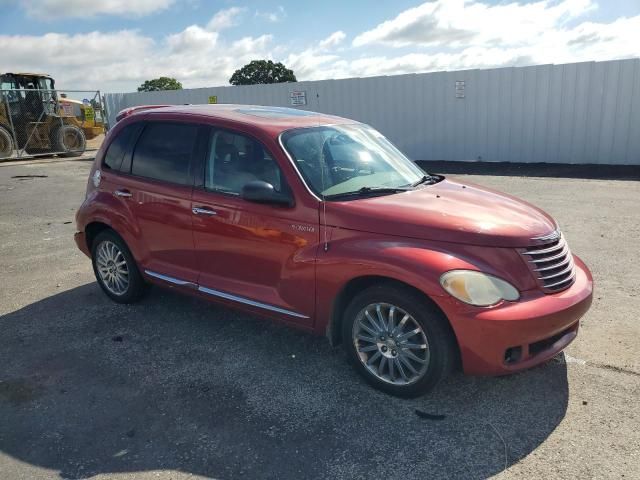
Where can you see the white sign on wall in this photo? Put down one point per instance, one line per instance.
(298, 98)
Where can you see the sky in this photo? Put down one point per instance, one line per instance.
(115, 45)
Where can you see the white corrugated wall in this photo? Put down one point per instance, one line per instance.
(572, 113)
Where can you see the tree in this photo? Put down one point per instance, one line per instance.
(262, 71)
(162, 83)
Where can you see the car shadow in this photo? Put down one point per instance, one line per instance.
(173, 383)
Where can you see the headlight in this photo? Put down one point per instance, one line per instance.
(477, 288)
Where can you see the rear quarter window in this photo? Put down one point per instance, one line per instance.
(164, 152)
(118, 147)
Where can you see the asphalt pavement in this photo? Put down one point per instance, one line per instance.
(174, 387)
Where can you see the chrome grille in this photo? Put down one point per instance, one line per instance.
(551, 262)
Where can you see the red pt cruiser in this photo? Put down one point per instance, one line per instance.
(320, 222)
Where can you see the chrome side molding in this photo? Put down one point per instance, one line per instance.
(175, 281)
(246, 301)
(226, 296)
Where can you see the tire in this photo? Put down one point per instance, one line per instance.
(6, 143)
(434, 345)
(107, 251)
(68, 141)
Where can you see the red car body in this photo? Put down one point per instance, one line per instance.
(300, 264)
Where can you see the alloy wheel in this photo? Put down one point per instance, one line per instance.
(112, 268)
(391, 344)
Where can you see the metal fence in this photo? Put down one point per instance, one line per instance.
(573, 113)
(36, 122)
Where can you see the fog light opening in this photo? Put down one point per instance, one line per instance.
(512, 355)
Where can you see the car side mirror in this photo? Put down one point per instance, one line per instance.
(263, 192)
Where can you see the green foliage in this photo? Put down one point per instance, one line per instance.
(262, 71)
(162, 83)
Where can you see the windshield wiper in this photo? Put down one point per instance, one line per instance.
(364, 191)
(425, 178)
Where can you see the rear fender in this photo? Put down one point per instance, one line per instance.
(101, 206)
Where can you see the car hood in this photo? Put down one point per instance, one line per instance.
(448, 211)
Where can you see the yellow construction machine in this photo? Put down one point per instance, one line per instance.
(36, 119)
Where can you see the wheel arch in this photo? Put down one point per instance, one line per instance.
(358, 284)
(93, 229)
(103, 211)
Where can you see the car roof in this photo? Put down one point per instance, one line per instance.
(273, 119)
(27, 74)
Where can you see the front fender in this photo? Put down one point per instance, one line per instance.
(352, 255)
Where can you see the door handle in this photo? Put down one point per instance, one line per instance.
(203, 211)
(122, 193)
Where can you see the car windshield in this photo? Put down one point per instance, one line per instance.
(339, 160)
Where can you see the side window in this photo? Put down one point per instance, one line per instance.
(164, 152)
(117, 148)
(235, 159)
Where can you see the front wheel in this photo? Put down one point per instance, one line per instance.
(115, 268)
(397, 341)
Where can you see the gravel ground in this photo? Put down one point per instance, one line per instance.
(177, 388)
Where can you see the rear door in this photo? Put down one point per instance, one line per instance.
(261, 255)
(157, 188)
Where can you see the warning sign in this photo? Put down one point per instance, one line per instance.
(298, 98)
(67, 109)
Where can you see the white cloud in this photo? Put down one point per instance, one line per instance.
(333, 40)
(120, 61)
(227, 18)
(202, 55)
(276, 16)
(246, 45)
(453, 23)
(45, 9)
(71, 51)
(456, 34)
(315, 62)
(192, 38)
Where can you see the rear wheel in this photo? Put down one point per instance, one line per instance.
(115, 268)
(6, 143)
(69, 141)
(398, 341)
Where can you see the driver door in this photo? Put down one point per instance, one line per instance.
(255, 254)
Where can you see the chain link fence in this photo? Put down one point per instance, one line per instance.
(37, 122)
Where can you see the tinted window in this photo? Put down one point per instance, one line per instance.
(115, 151)
(235, 159)
(163, 152)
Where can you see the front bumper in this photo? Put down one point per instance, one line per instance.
(518, 335)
